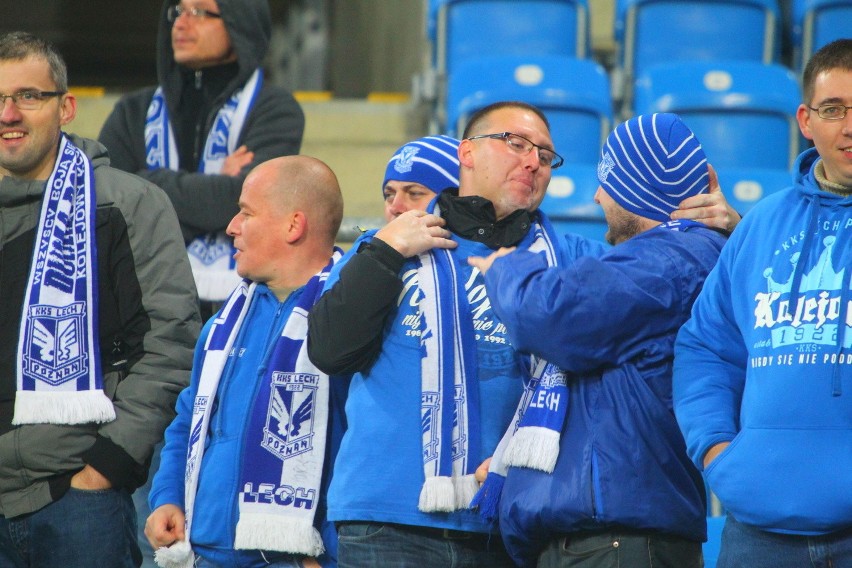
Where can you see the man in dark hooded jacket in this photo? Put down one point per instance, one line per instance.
(211, 119)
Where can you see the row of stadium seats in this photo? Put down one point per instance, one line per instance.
(727, 86)
(647, 31)
(743, 112)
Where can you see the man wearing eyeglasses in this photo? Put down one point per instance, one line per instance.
(762, 377)
(435, 381)
(211, 119)
(99, 319)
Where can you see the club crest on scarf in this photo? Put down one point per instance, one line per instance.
(54, 354)
(289, 427)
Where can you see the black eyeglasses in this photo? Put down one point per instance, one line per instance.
(831, 111)
(30, 100)
(175, 12)
(523, 146)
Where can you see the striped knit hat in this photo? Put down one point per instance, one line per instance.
(432, 161)
(651, 163)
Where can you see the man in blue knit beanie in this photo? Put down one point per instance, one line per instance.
(610, 482)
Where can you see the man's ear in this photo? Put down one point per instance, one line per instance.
(67, 109)
(466, 153)
(803, 117)
(297, 226)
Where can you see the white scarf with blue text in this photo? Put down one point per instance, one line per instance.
(211, 254)
(532, 439)
(284, 446)
(59, 379)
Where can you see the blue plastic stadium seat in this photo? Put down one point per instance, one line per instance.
(743, 187)
(466, 29)
(573, 93)
(744, 113)
(817, 23)
(650, 32)
(570, 201)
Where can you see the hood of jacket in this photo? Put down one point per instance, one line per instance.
(249, 26)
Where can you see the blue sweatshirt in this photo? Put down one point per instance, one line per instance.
(379, 470)
(216, 505)
(765, 363)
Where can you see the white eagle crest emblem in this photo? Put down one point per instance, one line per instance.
(289, 426)
(56, 352)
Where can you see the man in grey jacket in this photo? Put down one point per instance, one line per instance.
(99, 318)
(211, 120)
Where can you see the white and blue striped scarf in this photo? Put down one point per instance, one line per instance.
(284, 448)
(211, 254)
(450, 390)
(58, 364)
(532, 439)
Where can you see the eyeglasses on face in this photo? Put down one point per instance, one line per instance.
(30, 100)
(523, 146)
(175, 12)
(831, 111)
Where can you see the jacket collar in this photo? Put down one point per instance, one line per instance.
(474, 218)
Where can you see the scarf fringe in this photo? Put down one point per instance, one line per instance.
(438, 495)
(178, 555)
(487, 499)
(533, 447)
(272, 532)
(465, 488)
(64, 407)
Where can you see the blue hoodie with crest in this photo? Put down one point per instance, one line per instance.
(765, 363)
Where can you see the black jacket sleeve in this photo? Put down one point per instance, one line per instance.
(346, 325)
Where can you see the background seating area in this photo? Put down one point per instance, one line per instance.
(737, 88)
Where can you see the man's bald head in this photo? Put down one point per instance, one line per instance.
(305, 184)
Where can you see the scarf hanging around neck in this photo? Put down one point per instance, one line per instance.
(59, 379)
(284, 447)
(210, 254)
(449, 381)
(532, 439)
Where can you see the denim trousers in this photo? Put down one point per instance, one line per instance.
(83, 529)
(367, 545)
(621, 549)
(744, 546)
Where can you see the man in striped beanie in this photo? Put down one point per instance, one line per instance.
(621, 483)
(417, 171)
(648, 165)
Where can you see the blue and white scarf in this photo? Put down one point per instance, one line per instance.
(532, 439)
(450, 390)
(284, 448)
(59, 378)
(211, 254)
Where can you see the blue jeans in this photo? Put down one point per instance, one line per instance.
(749, 547)
(83, 529)
(621, 549)
(363, 545)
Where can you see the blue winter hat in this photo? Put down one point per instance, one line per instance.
(432, 161)
(651, 163)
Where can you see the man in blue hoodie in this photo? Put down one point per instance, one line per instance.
(247, 460)
(763, 375)
(599, 474)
